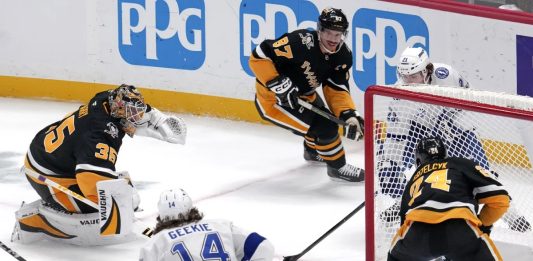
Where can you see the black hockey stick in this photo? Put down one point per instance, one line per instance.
(296, 257)
(11, 252)
(324, 114)
(320, 112)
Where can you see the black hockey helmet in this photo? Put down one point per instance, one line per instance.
(333, 19)
(429, 148)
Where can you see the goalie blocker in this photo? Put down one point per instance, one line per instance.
(112, 224)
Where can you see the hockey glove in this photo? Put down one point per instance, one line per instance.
(286, 92)
(158, 125)
(355, 125)
(486, 229)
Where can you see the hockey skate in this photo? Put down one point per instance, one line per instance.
(347, 173)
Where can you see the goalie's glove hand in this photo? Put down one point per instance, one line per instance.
(286, 92)
(486, 229)
(158, 125)
(355, 125)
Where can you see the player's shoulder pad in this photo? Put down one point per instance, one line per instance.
(442, 71)
(344, 56)
(218, 222)
(447, 75)
(101, 121)
(303, 39)
(460, 162)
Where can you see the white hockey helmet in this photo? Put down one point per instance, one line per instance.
(172, 203)
(412, 61)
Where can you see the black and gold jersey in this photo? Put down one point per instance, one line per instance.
(297, 55)
(453, 188)
(86, 140)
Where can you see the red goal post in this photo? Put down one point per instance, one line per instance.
(504, 105)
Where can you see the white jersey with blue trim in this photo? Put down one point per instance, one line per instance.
(445, 75)
(207, 240)
(406, 121)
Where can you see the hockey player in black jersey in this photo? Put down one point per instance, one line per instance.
(439, 208)
(292, 67)
(79, 152)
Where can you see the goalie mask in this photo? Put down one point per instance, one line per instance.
(414, 66)
(332, 29)
(428, 149)
(173, 203)
(127, 103)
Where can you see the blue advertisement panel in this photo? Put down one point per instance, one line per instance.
(169, 33)
(269, 19)
(524, 65)
(379, 38)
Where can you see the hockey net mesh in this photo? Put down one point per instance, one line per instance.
(501, 144)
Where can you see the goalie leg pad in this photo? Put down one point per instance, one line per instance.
(36, 221)
(115, 207)
(136, 198)
(23, 232)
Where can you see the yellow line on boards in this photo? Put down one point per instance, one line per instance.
(229, 108)
(506, 153)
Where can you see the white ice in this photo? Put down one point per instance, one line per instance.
(252, 174)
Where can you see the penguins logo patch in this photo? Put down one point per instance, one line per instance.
(112, 130)
(308, 40)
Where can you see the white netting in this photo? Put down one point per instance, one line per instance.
(501, 144)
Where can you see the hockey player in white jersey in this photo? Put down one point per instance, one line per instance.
(404, 119)
(408, 122)
(181, 233)
(415, 68)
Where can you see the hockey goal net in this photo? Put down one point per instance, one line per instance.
(493, 129)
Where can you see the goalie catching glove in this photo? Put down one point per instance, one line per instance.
(355, 125)
(158, 125)
(286, 92)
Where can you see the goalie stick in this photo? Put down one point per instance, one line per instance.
(296, 257)
(11, 252)
(145, 231)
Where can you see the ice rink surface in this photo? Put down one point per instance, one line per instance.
(252, 174)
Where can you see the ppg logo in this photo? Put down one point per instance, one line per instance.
(162, 33)
(262, 19)
(379, 38)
